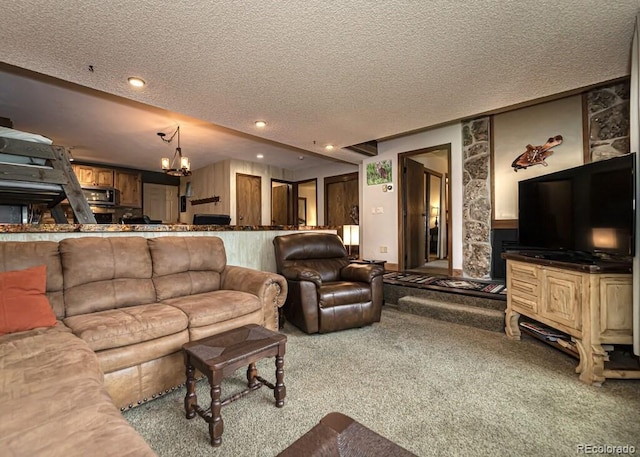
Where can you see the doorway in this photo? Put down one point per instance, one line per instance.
(294, 203)
(425, 226)
(307, 202)
(342, 208)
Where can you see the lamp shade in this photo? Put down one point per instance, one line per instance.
(351, 235)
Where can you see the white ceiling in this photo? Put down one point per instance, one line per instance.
(329, 72)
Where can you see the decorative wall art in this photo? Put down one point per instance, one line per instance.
(514, 134)
(379, 172)
(536, 155)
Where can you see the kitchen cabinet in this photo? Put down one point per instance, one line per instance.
(89, 175)
(130, 185)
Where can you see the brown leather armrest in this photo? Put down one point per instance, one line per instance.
(361, 272)
(302, 274)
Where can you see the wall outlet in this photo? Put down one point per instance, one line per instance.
(383, 249)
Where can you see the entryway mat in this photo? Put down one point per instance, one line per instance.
(409, 279)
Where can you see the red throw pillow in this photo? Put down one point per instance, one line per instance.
(23, 304)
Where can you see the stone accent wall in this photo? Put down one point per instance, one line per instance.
(476, 206)
(608, 119)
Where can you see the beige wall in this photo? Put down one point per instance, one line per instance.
(219, 179)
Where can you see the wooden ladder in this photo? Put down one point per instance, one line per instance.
(24, 184)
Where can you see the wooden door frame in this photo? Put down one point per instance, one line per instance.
(402, 203)
(332, 180)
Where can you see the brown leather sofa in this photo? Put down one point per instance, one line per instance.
(125, 306)
(326, 291)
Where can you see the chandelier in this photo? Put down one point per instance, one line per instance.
(179, 165)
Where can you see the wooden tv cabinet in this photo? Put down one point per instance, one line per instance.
(591, 303)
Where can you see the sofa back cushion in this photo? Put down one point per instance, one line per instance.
(186, 265)
(18, 255)
(105, 273)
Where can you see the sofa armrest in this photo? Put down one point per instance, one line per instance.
(302, 274)
(270, 288)
(361, 272)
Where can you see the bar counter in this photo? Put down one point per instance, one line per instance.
(246, 245)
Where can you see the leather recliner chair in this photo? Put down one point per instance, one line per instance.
(326, 292)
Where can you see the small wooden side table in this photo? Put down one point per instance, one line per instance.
(218, 356)
(369, 262)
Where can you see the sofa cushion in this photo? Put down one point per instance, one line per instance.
(30, 361)
(17, 255)
(23, 304)
(105, 273)
(124, 326)
(54, 402)
(344, 293)
(218, 306)
(186, 265)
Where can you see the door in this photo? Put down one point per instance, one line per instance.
(414, 215)
(341, 200)
(281, 203)
(248, 199)
(160, 202)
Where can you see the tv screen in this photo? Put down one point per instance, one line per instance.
(583, 209)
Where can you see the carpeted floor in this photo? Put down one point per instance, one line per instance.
(433, 387)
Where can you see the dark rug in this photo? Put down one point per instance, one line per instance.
(440, 282)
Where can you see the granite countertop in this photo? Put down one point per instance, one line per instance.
(97, 228)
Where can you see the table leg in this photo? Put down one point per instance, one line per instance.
(190, 400)
(280, 391)
(216, 426)
(252, 372)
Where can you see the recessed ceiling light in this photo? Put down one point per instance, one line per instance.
(329, 147)
(136, 82)
(260, 156)
(260, 124)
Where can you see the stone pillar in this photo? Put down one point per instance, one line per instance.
(608, 121)
(476, 206)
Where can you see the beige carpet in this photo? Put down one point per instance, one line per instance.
(433, 387)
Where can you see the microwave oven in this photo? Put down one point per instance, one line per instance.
(102, 196)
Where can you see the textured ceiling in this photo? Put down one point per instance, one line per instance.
(321, 72)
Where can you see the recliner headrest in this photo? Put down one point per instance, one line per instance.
(311, 245)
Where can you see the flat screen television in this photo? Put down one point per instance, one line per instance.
(583, 210)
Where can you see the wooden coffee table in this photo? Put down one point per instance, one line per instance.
(219, 356)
